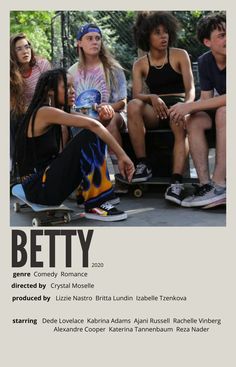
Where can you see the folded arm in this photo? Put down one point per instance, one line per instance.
(47, 116)
(180, 110)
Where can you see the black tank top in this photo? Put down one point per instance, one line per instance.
(164, 80)
(39, 151)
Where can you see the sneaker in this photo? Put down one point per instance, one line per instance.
(204, 195)
(115, 200)
(105, 212)
(175, 193)
(142, 173)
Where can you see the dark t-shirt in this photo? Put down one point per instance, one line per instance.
(211, 77)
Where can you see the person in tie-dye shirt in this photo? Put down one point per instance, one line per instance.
(100, 83)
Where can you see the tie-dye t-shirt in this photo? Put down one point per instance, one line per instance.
(94, 78)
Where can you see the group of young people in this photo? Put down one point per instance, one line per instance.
(62, 121)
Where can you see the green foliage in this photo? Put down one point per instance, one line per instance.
(37, 26)
(187, 37)
(53, 33)
(117, 31)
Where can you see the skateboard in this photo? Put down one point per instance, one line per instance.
(138, 188)
(86, 102)
(50, 215)
(221, 202)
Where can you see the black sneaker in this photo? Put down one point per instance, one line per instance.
(142, 173)
(105, 212)
(115, 200)
(175, 193)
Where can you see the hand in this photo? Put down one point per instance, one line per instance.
(159, 106)
(179, 111)
(126, 167)
(180, 122)
(105, 112)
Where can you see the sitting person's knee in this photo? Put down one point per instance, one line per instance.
(178, 130)
(197, 122)
(220, 118)
(134, 106)
(116, 123)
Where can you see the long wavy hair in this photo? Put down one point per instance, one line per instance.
(48, 81)
(17, 83)
(107, 59)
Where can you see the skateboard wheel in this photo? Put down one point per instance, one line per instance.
(36, 222)
(138, 193)
(67, 218)
(16, 207)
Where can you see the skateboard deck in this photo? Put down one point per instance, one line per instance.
(86, 101)
(51, 214)
(18, 192)
(154, 180)
(150, 181)
(138, 188)
(215, 204)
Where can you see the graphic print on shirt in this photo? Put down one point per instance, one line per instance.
(86, 102)
(93, 82)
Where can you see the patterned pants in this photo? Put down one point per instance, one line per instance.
(81, 163)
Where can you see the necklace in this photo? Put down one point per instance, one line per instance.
(161, 66)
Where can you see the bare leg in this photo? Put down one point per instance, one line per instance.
(115, 126)
(220, 164)
(180, 151)
(175, 192)
(196, 126)
(140, 115)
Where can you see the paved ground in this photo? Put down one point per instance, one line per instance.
(150, 210)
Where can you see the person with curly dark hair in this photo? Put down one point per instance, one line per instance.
(167, 73)
(208, 112)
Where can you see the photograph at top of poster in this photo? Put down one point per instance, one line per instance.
(118, 118)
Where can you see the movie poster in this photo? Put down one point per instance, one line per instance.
(131, 294)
